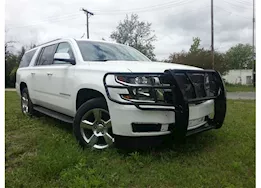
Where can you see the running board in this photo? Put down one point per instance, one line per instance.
(54, 114)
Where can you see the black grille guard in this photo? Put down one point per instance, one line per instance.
(181, 104)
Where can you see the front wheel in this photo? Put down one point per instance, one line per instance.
(92, 124)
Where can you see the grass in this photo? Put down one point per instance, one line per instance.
(239, 88)
(42, 152)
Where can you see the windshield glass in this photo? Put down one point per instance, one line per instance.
(101, 51)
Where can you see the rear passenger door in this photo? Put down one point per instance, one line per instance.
(41, 77)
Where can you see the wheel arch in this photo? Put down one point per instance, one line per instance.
(85, 94)
(22, 86)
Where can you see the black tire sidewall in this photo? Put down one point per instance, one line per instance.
(85, 107)
(30, 104)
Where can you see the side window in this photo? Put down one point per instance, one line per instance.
(64, 47)
(46, 57)
(26, 59)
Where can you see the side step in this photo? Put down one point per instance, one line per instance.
(54, 114)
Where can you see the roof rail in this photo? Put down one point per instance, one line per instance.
(48, 42)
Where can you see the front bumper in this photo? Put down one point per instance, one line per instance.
(124, 116)
(173, 117)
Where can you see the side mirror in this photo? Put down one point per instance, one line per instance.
(64, 57)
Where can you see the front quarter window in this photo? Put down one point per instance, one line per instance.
(102, 51)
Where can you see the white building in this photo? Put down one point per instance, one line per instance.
(239, 76)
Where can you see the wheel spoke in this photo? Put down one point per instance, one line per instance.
(108, 139)
(107, 123)
(97, 115)
(93, 140)
(86, 124)
(24, 98)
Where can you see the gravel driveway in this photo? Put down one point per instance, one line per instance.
(241, 95)
(9, 89)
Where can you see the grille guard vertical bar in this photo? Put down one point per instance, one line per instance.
(220, 106)
(182, 115)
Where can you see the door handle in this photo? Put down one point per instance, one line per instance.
(32, 73)
(49, 74)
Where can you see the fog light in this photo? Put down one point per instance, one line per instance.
(195, 122)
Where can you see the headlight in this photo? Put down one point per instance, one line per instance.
(137, 80)
(141, 93)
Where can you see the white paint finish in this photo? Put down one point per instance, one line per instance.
(141, 66)
(61, 56)
(239, 76)
(55, 91)
(123, 115)
(56, 87)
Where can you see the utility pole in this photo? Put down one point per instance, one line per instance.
(87, 20)
(212, 34)
(253, 44)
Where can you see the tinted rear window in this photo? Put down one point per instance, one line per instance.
(26, 59)
(47, 55)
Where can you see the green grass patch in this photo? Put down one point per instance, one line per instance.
(42, 152)
(239, 88)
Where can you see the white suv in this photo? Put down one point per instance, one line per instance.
(112, 93)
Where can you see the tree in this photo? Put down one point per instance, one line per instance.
(12, 75)
(21, 53)
(240, 56)
(136, 34)
(12, 61)
(8, 45)
(199, 57)
(194, 48)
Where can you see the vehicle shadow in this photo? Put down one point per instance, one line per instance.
(194, 143)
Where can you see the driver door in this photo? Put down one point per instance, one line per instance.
(62, 81)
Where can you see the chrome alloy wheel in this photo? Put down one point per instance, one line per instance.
(96, 128)
(25, 103)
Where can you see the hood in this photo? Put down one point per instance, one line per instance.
(135, 66)
(143, 66)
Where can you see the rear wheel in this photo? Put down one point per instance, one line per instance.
(92, 125)
(26, 103)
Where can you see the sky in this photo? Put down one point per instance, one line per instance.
(174, 23)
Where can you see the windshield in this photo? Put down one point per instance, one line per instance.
(101, 51)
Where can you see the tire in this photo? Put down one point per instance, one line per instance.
(92, 125)
(26, 103)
